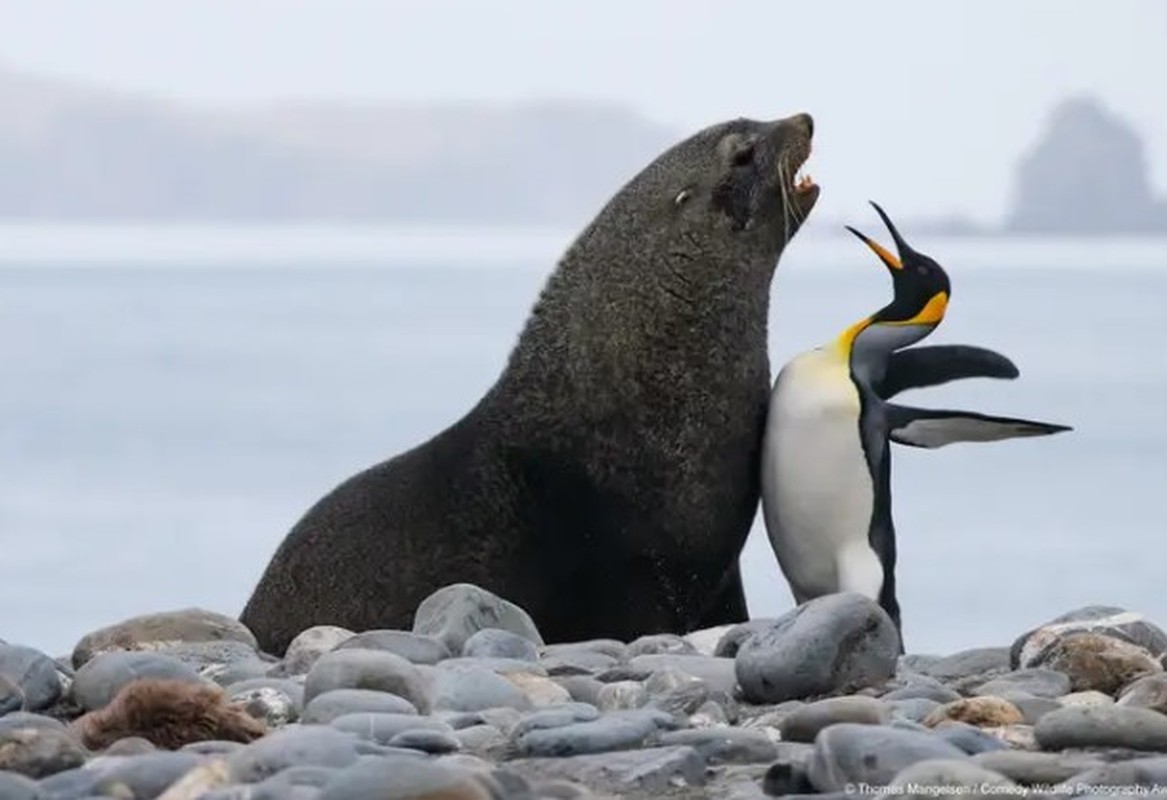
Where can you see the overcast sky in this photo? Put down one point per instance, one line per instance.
(923, 105)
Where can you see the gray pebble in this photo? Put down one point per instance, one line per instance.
(688, 699)
(1102, 726)
(922, 691)
(613, 648)
(325, 707)
(383, 727)
(969, 738)
(153, 631)
(978, 664)
(803, 724)
(1037, 682)
(314, 776)
(27, 719)
(211, 658)
(104, 675)
(582, 688)
(367, 669)
(577, 662)
(37, 752)
(11, 696)
(455, 613)
(308, 646)
(212, 747)
(480, 737)
(505, 719)
(618, 730)
(147, 775)
(1146, 692)
(18, 787)
(238, 671)
(32, 673)
(732, 640)
(293, 746)
(1032, 708)
(621, 695)
(277, 700)
(427, 741)
(1029, 768)
(72, 783)
(915, 709)
(718, 673)
(838, 642)
(410, 646)
(497, 643)
(1140, 772)
(394, 778)
(556, 717)
(1110, 621)
(725, 745)
(848, 754)
(950, 775)
(474, 689)
(130, 746)
(502, 666)
(460, 719)
(661, 644)
(649, 772)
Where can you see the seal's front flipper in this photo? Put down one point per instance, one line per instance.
(936, 364)
(920, 427)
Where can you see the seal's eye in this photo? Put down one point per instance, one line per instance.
(682, 197)
(743, 155)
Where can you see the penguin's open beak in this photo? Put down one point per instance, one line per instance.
(892, 262)
(884, 255)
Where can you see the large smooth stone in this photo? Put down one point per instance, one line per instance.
(836, 643)
(1102, 726)
(161, 630)
(367, 669)
(32, 678)
(104, 675)
(848, 753)
(455, 613)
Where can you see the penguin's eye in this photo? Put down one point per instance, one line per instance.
(682, 197)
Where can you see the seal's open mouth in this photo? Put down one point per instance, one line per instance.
(799, 192)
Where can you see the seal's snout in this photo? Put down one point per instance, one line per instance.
(794, 134)
(806, 123)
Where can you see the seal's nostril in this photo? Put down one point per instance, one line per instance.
(808, 121)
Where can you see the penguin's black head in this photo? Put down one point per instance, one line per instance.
(922, 291)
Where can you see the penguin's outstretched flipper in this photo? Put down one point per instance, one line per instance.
(917, 367)
(931, 428)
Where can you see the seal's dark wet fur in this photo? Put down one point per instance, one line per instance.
(608, 480)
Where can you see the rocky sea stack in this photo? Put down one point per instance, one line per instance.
(1087, 175)
(472, 703)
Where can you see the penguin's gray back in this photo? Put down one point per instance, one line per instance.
(818, 493)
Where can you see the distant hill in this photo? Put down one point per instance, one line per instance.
(1087, 175)
(72, 152)
(68, 152)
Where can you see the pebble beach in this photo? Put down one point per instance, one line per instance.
(473, 704)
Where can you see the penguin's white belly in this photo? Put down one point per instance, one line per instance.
(817, 490)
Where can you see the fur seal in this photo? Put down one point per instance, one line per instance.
(169, 714)
(608, 480)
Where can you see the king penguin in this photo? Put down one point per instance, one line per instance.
(826, 461)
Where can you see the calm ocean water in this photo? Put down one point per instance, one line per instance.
(173, 400)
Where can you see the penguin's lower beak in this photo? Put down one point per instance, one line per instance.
(889, 260)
